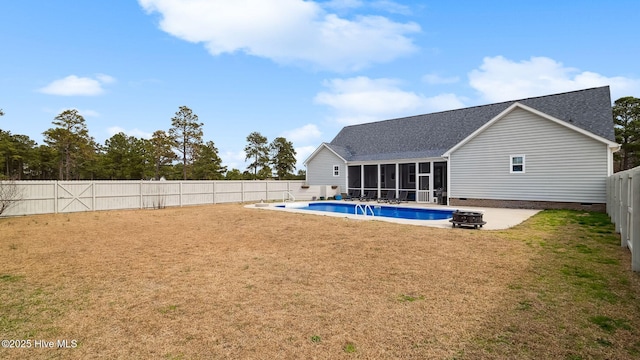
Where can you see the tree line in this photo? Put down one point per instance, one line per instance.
(70, 153)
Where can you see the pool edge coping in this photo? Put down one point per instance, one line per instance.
(496, 218)
(431, 223)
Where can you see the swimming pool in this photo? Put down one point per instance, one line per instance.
(398, 212)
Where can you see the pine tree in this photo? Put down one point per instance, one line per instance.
(71, 139)
(161, 152)
(283, 157)
(208, 165)
(186, 131)
(626, 118)
(257, 150)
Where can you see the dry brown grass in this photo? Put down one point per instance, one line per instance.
(224, 281)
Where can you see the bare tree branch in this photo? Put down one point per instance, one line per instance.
(10, 195)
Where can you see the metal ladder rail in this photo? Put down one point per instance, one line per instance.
(364, 209)
(370, 208)
(289, 196)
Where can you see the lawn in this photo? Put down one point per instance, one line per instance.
(224, 281)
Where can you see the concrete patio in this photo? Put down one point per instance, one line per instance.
(496, 218)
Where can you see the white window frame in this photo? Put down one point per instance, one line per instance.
(336, 170)
(512, 164)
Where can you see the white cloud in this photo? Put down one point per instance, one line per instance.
(304, 134)
(286, 31)
(234, 160)
(131, 132)
(342, 4)
(114, 130)
(105, 79)
(84, 113)
(383, 5)
(501, 79)
(443, 102)
(435, 79)
(361, 99)
(392, 7)
(302, 153)
(89, 113)
(78, 86)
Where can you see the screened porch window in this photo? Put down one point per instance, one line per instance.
(355, 177)
(517, 164)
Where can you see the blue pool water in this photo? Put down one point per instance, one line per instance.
(379, 210)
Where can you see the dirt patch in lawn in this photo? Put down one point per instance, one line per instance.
(224, 281)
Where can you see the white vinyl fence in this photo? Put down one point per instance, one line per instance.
(44, 197)
(623, 206)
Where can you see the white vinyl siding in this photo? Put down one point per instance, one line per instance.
(321, 169)
(561, 164)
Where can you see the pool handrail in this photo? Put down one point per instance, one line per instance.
(289, 196)
(363, 209)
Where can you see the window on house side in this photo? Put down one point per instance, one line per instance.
(336, 170)
(517, 164)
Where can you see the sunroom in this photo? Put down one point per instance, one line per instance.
(424, 180)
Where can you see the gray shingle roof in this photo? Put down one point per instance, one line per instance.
(431, 135)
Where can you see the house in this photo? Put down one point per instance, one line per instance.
(552, 151)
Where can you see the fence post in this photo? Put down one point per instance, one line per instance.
(55, 197)
(141, 195)
(635, 220)
(608, 187)
(618, 206)
(624, 209)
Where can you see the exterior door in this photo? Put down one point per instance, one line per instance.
(423, 189)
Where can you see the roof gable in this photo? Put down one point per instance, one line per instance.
(431, 135)
(517, 105)
(334, 149)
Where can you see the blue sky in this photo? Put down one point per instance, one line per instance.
(298, 69)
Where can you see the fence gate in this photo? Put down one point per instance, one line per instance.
(74, 197)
